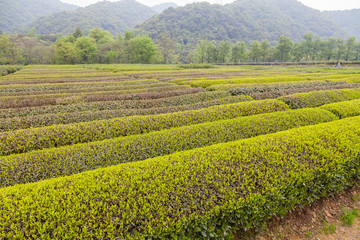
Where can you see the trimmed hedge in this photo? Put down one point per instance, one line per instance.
(60, 135)
(63, 99)
(116, 105)
(344, 109)
(203, 193)
(318, 98)
(48, 163)
(11, 124)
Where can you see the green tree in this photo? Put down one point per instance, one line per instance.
(283, 49)
(307, 46)
(265, 50)
(9, 50)
(141, 49)
(78, 33)
(350, 47)
(86, 49)
(223, 52)
(341, 49)
(255, 51)
(166, 47)
(65, 52)
(101, 36)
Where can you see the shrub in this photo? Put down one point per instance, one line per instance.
(344, 109)
(60, 135)
(35, 166)
(203, 193)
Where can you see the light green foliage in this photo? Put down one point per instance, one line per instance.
(349, 216)
(141, 49)
(318, 98)
(141, 147)
(86, 49)
(344, 109)
(59, 135)
(239, 184)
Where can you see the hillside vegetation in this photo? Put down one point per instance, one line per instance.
(16, 14)
(115, 17)
(244, 20)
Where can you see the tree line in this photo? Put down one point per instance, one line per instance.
(99, 46)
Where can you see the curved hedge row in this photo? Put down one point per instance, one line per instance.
(59, 135)
(63, 99)
(116, 105)
(93, 90)
(198, 194)
(205, 83)
(11, 124)
(48, 163)
(318, 98)
(344, 109)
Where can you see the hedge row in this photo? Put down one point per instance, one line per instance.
(344, 109)
(6, 70)
(10, 124)
(276, 94)
(15, 88)
(64, 161)
(65, 99)
(185, 99)
(318, 98)
(60, 135)
(246, 90)
(203, 193)
(88, 90)
(205, 83)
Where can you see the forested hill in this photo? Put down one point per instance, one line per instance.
(15, 14)
(348, 19)
(115, 17)
(161, 7)
(243, 20)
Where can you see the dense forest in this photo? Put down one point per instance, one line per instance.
(347, 19)
(100, 46)
(16, 14)
(115, 17)
(247, 20)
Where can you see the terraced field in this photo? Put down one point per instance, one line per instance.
(162, 152)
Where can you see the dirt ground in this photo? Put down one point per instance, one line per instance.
(321, 221)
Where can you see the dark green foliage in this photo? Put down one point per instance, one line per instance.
(15, 15)
(141, 147)
(244, 20)
(60, 135)
(115, 17)
(203, 193)
(8, 69)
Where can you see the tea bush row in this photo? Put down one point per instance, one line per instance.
(56, 162)
(65, 99)
(10, 124)
(344, 109)
(200, 96)
(318, 98)
(204, 193)
(60, 135)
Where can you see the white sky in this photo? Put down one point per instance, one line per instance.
(317, 4)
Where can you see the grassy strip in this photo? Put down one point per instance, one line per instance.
(116, 105)
(344, 109)
(66, 99)
(318, 98)
(21, 141)
(48, 163)
(204, 193)
(10, 124)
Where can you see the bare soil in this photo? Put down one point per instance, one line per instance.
(313, 221)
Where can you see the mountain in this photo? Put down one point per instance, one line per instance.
(242, 20)
(348, 19)
(15, 14)
(161, 7)
(115, 17)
